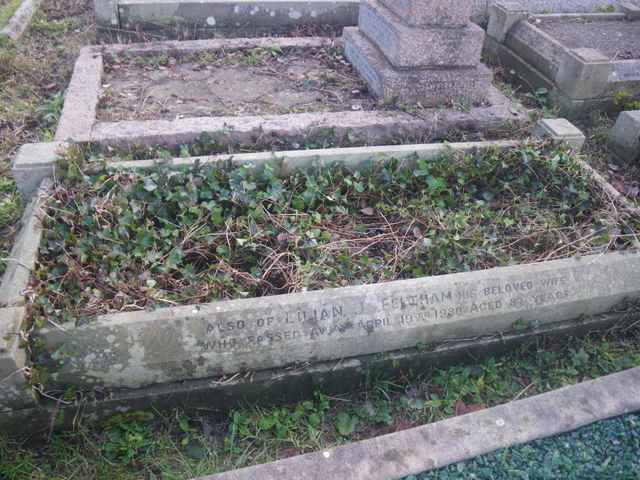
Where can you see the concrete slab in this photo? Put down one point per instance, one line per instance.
(20, 20)
(278, 386)
(153, 14)
(561, 130)
(439, 444)
(15, 392)
(24, 253)
(34, 162)
(197, 341)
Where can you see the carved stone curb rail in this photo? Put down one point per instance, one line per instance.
(286, 385)
(579, 80)
(78, 120)
(439, 444)
(135, 349)
(36, 161)
(20, 20)
(15, 393)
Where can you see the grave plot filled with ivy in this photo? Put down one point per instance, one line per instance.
(125, 240)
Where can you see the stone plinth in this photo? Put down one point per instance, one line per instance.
(407, 46)
(419, 51)
(445, 13)
(429, 87)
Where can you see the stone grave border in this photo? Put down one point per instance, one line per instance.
(78, 119)
(20, 19)
(579, 80)
(278, 383)
(121, 15)
(436, 445)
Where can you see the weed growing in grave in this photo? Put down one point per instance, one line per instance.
(7, 9)
(176, 445)
(10, 210)
(539, 98)
(125, 240)
(625, 101)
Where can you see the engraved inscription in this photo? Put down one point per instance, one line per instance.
(349, 317)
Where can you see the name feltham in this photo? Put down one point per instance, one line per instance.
(353, 317)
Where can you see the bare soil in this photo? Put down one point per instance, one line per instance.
(618, 40)
(246, 82)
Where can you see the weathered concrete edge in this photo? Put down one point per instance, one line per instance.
(24, 253)
(20, 20)
(374, 127)
(460, 438)
(81, 98)
(269, 387)
(592, 17)
(15, 391)
(33, 163)
(572, 109)
(195, 46)
(289, 160)
(86, 368)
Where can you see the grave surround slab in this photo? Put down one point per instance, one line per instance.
(135, 349)
(436, 445)
(15, 391)
(78, 121)
(168, 393)
(579, 78)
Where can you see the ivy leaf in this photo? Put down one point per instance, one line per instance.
(149, 184)
(346, 424)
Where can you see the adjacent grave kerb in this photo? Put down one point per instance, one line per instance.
(631, 10)
(502, 17)
(561, 130)
(583, 73)
(625, 136)
(388, 50)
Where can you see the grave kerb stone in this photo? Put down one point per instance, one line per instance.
(171, 344)
(561, 130)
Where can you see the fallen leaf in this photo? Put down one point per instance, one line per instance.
(367, 211)
(462, 409)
